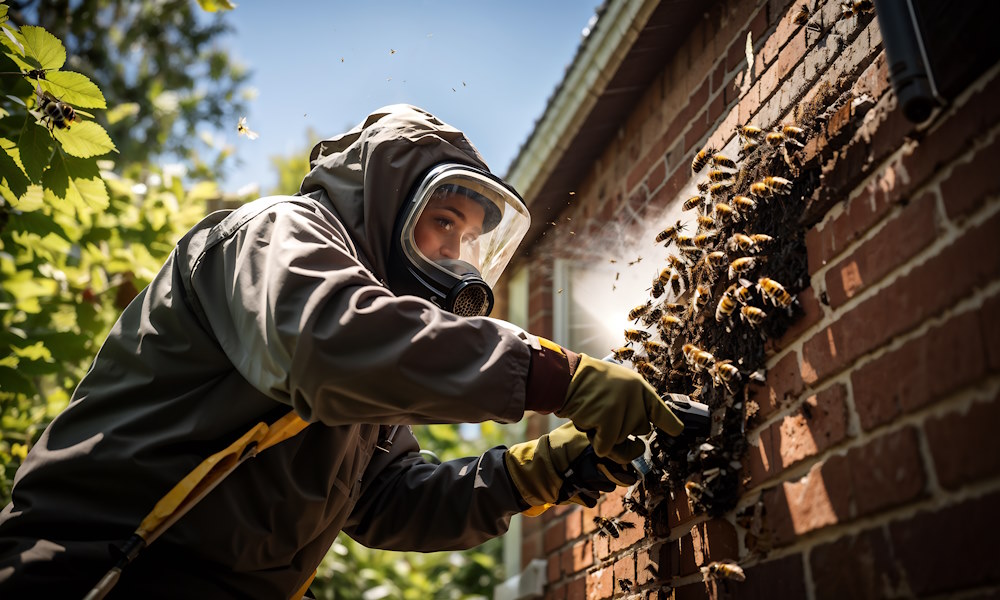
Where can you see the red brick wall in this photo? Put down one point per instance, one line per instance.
(874, 466)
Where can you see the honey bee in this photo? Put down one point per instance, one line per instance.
(724, 570)
(855, 8)
(55, 113)
(715, 259)
(769, 186)
(718, 189)
(664, 277)
(675, 261)
(652, 316)
(701, 159)
(668, 325)
(725, 308)
(636, 335)
(682, 240)
(692, 252)
(670, 232)
(242, 129)
(705, 221)
(704, 239)
(703, 186)
(775, 138)
(653, 348)
(692, 202)
(648, 371)
(639, 311)
(724, 373)
(702, 294)
(761, 239)
(744, 203)
(623, 353)
(741, 265)
(720, 175)
(697, 357)
(742, 291)
(749, 132)
(674, 308)
(803, 16)
(742, 241)
(775, 292)
(724, 210)
(625, 585)
(778, 138)
(752, 315)
(675, 282)
(657, 289)
(749, 148)
(697, 491)
(720, 160)
(791, 131)
(611, 527)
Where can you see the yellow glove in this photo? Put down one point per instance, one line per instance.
(561, 468)
(610, 403)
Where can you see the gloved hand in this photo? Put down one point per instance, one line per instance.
(611, 402)
(561, 468)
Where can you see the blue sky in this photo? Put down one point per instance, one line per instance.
(487, 68)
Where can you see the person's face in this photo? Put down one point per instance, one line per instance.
(448, 220)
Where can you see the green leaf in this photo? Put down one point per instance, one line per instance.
(13, 176)
(3, 13)
(73, 88)
(77, 182)
(84, 140)
(13, 40)
(35, 148)
(43, 47)
(12, 382)
(216, 5)
(122, 111)
(36, 351)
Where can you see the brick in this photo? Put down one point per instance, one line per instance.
(971, 183)
(656, 175)
(783, 382)
(791, 54)
(555, 536)
(555, 592)
(554, 567)
(809, 312)
(874, 80)
(902, 237)
(714, 540)
(601, 583)
(763, 460)
(860, 214)
(624, 569)
(576, 588)
(679, 511)
(924, 291)
(965, 444)
(578, 557)
(587, 516)
(652, 563)
(531, 547)
(921, 371)
(965, 537)
(574, 523)
(819, 424)
(780, 578)
(686, 564)
(691, 591)
(611, 505)
(628, 537)
(858, 567)
(820, 499)
(886, 472)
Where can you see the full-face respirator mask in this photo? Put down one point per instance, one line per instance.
(454, 236)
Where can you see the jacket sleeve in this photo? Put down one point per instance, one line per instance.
(410, 504)
(305, 322)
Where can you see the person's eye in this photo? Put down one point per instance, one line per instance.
(445, 224)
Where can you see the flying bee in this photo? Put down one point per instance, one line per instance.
(623, 353)
(611, 527)
(648, 371)
(741, 265)
(803, 16)
(723, 210)
(639, 311)
(653, 348)
(692, 202)
(242, 129)
(668, 325)
(636, 335)
(743, 242)
(705, 222)
(752, 315)
(726, 307)
(625, 585)
(721, 160)
(701, 159)
(670, 232)
(718, 189)
(55, 113)
(749, 132)
(704, 239)
(720, 175)
(716, 259)
(744, 203)
(723, 570)
(775, 292)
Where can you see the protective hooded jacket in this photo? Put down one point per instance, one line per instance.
(279, 303)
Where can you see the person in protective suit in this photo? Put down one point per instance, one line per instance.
(360, 303)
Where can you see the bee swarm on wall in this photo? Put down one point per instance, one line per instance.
(728, 286)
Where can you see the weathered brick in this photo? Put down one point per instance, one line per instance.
(820, 499)
(921, 371)
(857, 567)
(624, 569)
(971, 183)
(652, 564)
(874, 81)
(578, 557)
(714, 540)
(763, 460)
(783, 383)
(819, 424)
(965, 444)
(923, 291)
(965, 536)
(860, 214)
(628, 537)
(612, 503)
(601, 583)
(811, 313)
(911, 231)
(886, 472)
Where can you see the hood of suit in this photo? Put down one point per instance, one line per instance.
(367, 173)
